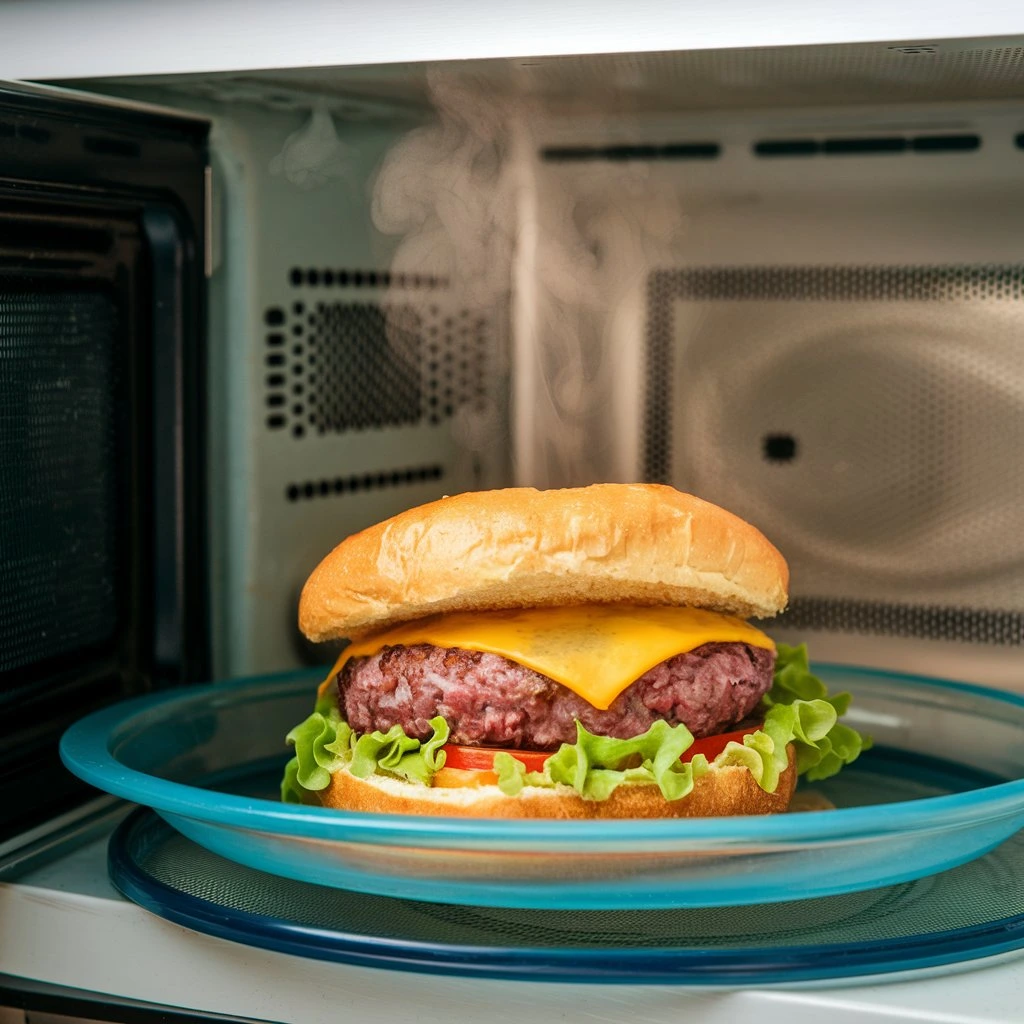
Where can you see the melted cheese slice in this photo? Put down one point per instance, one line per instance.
(594, 650)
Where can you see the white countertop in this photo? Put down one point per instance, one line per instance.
(64, 924)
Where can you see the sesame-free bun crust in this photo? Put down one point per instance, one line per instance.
(723, 792)
(642, 544)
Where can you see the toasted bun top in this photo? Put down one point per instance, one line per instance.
(642, 544)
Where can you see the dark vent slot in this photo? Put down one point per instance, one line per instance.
(690, 151)
(786, 147)
(42, 236)
(667, 151)
(363, 482)
(1020, 141)
(570, 154)
(629, 153)
(348, 278)
(112, 147)
(779, 448)
(966, 625)
(884, 144)
(879, 144)
(274, 317)
(946, 143)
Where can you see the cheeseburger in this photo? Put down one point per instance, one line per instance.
(572, 653)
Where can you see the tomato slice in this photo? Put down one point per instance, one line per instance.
(482, 758)
(712, 746)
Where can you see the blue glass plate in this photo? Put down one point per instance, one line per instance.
(974, 911)
(903, 810)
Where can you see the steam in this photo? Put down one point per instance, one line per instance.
(313, 156)
(562, 252)
(450, 191)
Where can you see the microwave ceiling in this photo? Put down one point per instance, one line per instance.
(687, 81)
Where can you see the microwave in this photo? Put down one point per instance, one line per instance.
(269, 277)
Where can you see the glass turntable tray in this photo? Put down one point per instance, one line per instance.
(933, 923)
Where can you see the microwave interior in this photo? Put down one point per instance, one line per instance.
(788, 280)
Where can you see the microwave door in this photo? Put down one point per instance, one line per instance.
(102, 213)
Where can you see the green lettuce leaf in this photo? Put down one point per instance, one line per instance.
(841, 745)
(394, 753)
(322, 745)
(595, 766)
(325, 742)
(799, 711)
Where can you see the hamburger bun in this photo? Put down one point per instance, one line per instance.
(723, 792)
(640, 544)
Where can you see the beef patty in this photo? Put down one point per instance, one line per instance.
(488, 700)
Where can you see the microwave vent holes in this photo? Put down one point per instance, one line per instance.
(930, 622)
(832, 283)
(361, 278)
(361, 482)
(330, 367)
(657, 415)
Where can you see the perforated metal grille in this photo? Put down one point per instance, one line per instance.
(838, 284)
(716, 79)
(961, 624)
(58, 568)
(781, 76)
(365, 372)
(361, 365)
(657, 414)
(869, 420)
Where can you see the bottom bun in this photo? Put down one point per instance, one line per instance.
(723, 792)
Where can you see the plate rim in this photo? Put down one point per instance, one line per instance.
(86, 750)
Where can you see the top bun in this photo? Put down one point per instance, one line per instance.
(642, 544)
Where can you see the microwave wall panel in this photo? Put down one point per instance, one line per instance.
(340, 392)
(808, 315)
(626, 208)
(828, 339)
